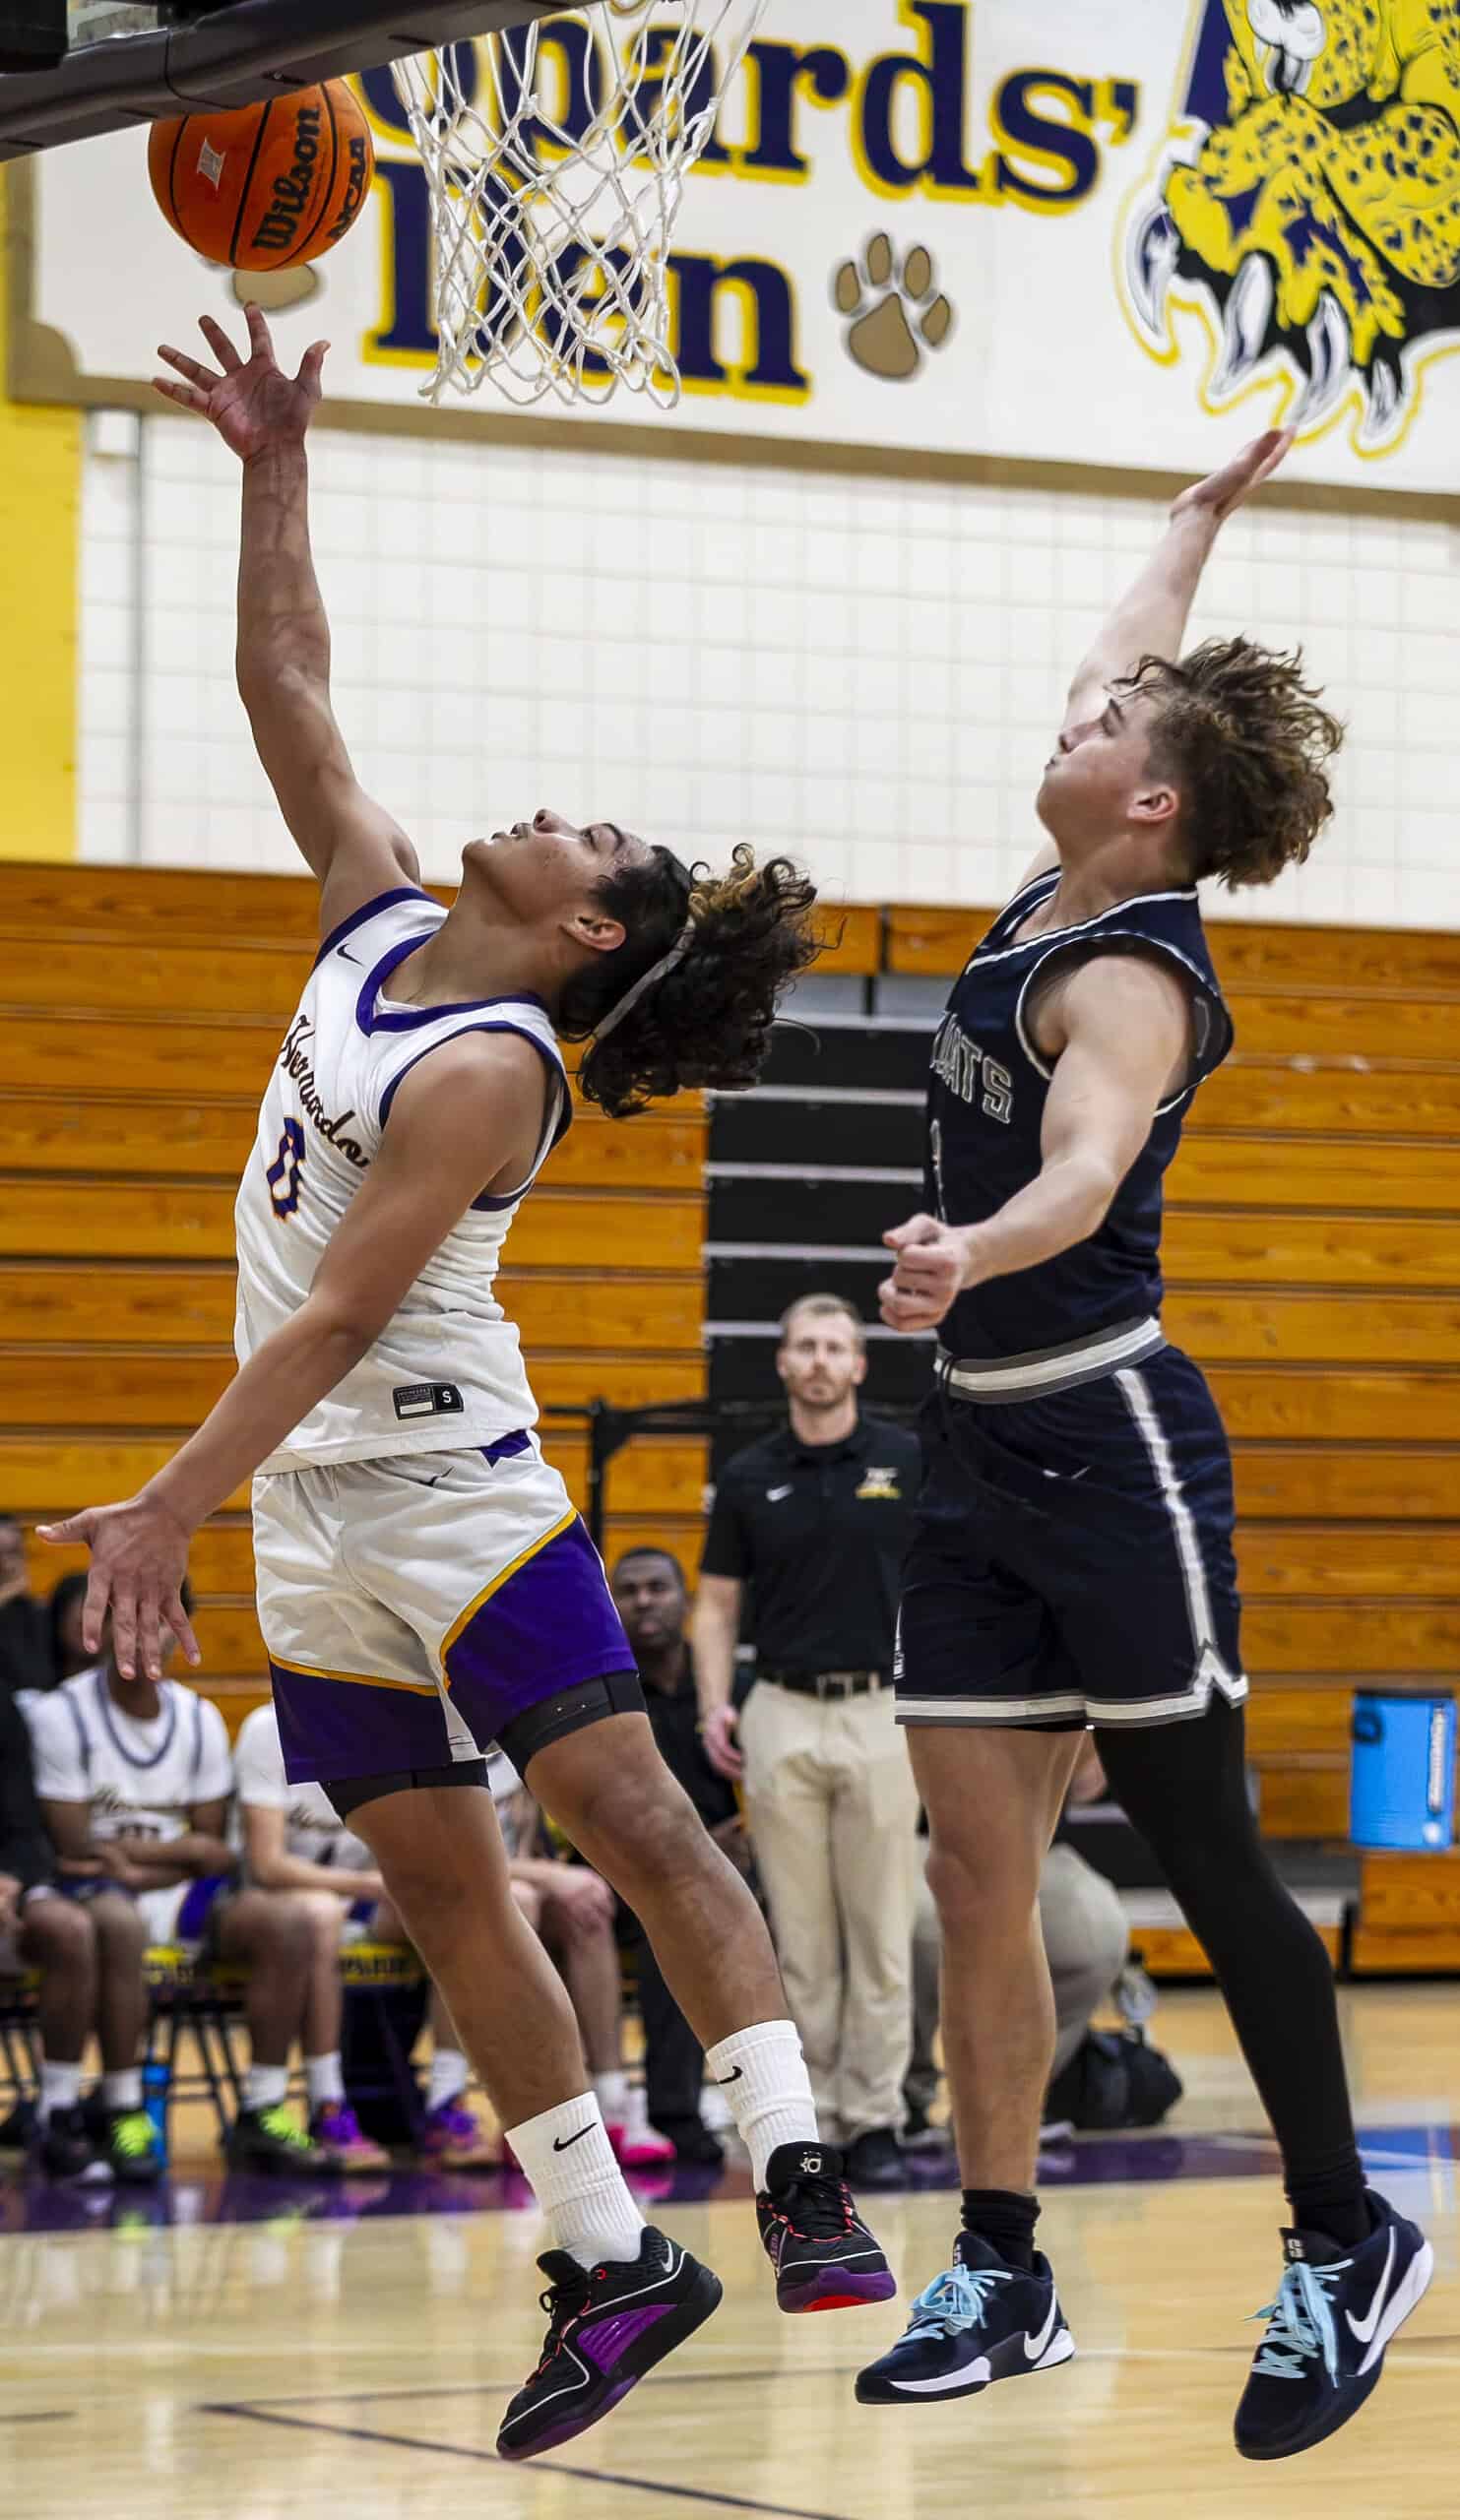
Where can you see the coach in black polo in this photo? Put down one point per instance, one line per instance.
(806, 1541)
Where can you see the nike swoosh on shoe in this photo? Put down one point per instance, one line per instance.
(1364, 2328)
(1035, 2346)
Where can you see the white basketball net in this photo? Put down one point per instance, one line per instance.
(557, 155)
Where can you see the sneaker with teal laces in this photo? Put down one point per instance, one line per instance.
(1333, 2316)
(981, 2323)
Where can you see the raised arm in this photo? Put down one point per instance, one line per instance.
(1150, 619)
(353, 845)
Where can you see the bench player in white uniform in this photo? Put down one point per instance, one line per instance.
(424, 1585)
(295, 1841)
(134, 1779)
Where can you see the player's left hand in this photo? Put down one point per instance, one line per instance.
(933, 1266)
(139, 1559)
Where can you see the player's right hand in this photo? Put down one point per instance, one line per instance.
(251, 403)
(722, 1748)
(139, 1559)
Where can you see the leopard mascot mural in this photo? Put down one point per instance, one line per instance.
(1310, 196)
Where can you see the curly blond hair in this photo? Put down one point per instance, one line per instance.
(1247, 741)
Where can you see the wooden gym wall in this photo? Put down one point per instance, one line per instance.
(1314, 1254)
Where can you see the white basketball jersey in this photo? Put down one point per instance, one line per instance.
(140, 1779)
(313, 1831)
(446, 1373)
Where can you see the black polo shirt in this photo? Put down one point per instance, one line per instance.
(816, 1532)
(674, 1720)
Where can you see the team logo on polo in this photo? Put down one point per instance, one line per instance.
(1306, 204)
(879, 1486)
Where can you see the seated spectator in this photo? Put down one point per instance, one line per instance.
(25, 1629)
(650, 1595)
(1088, 1944)
(295, 1843)
(134, 1779)
(91, 1983)
(67, 1644)
(573, 1911)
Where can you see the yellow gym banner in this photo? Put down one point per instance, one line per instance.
(1060, 232)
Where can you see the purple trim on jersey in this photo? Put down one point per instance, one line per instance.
(551, 1625)
(506, 1448)
(408, 1019)
(104, 1709)
(550, 1061)
(371, 909)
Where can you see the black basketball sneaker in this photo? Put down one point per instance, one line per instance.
(606, 2326)
(981, 2323)
(824, 2256)
(1333, 2317)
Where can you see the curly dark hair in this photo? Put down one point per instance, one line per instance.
(708, 1021)
(1248, 743)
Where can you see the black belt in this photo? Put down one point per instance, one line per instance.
(824, 1683)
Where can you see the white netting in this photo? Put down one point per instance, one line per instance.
(557, 155)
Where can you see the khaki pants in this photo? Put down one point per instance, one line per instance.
(833, 1812)
(1086, 1942)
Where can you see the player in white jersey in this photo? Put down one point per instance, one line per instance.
(134, 1779)
(424, 1585)
(295, 1841)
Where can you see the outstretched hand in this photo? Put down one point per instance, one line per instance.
(139, 1559)
(252, 404)
(1222, 493)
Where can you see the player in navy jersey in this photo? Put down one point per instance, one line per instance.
(1072, 1563)
(425, 1587)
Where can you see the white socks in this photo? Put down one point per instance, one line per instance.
(568, 2160)
(266, 2086)
(611, 2092)
(449, 2077)
(762, 2077)
(60, 2087)
(123, 2091)
(326, 2082)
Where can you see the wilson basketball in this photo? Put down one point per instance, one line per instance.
(265, 186)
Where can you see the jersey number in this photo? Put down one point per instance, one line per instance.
(282, 1175)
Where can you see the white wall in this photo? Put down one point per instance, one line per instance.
(864, 672)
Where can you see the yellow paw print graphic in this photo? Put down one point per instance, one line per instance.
(896, 312)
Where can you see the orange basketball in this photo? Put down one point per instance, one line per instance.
(265, 186)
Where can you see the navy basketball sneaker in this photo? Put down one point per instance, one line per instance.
(1324, 2348)
(981, 2323)
(824, 2256)
(606, 2326)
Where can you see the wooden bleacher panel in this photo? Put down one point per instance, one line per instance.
(1409, 1915)
(1366, 1484)
(1331, 1404)
(1266, 1326)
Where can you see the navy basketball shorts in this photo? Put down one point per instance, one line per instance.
(419, 1607)
(1071, 1557)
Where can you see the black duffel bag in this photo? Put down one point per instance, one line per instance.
(1115, 2078)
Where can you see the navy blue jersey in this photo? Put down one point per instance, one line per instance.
(985, 1110)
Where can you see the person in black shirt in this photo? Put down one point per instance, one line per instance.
(25, 1623)
(807, 1537)
(649, 1593)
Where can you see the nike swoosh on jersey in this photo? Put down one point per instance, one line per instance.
(1364, 2328)
(946, 2380)
(1035, 2346)
(774, 1495)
